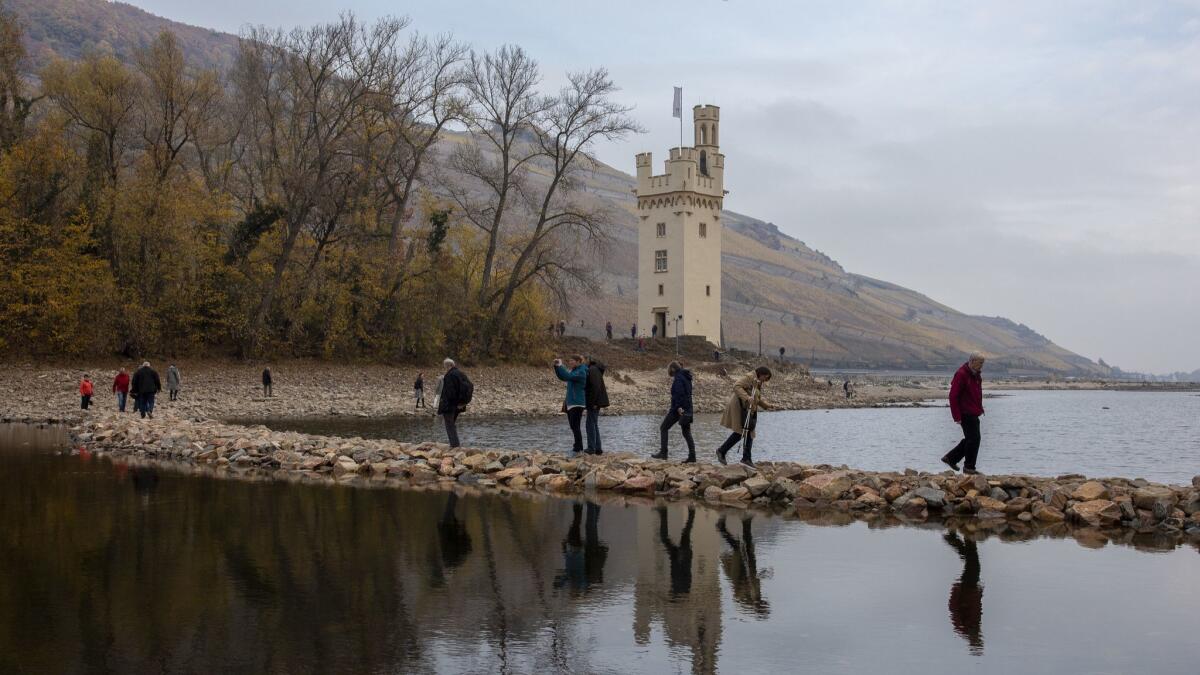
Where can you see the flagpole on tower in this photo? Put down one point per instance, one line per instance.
(677, 111)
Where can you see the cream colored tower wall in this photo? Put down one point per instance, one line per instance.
(683, 198)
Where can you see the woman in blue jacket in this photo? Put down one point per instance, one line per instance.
(575, 375)
(681, 411)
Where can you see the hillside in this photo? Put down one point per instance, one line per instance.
(805, 300)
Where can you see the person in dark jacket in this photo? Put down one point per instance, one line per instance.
(267, 382)
(596, 399)
(453, 399)
(574, 373)
(145, 385)
(419, 391)
(966, 407)
(680, 412)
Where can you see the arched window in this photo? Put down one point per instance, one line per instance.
(703, 163)
(703, 134)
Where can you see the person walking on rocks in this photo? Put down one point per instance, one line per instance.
(145, 386)
(681, 412)
(86, 389)
(741, 413)
(596, 395)
(457, 392)
(575, 374)
(419, 391)
(120, 387)
(266, 380)
(173, 382)
(966, 407)
(608, 330)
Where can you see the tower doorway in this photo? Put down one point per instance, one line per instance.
(660, 320)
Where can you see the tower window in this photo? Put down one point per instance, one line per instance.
(703, 230)
(708, 291)
(660, 261)
(661, 229)
(703, 163)
(660, 289)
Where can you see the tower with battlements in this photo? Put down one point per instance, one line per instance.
(679, 234)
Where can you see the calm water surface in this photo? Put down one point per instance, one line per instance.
(1153, 435)
(120, 568)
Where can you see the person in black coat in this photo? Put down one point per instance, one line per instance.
(266, 379)
(596, 396)
(145, 385)
(681, 411)
(456, 394)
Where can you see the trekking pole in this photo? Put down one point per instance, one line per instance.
(749, 416)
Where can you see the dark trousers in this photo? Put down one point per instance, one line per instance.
(85, 401)
(145, 404)
(737, 436)
(968, 447)
(174, 394)
(592, 422)
(574, 417)
(685, 425)
(451, 421)
(419, 394)
(267, 389)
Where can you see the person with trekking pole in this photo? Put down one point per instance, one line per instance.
(741, 413)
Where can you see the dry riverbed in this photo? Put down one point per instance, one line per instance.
(305, 389)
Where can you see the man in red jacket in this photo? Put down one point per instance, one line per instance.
(966, 405)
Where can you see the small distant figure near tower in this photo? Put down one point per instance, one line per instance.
(679, 233)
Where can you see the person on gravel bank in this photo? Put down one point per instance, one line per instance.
(681, 412)
(86, 389)
(456, 393)
(120, 387)
(419, 391)
(173, 382)
(145, 387)
(574, 373)
(266, 380)
(966, 406)
(597, 398)
(741, 413)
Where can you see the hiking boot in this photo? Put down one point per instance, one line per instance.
(970, 472)
(721, 456)
(691, 459)
(659, 455)
(947, 462)
(748, 462)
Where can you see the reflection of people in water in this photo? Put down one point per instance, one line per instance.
(742, 568)
(145, 480)
(583, 558)
(681, 555)
(966, 595)
(454, 542)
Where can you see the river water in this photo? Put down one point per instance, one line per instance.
(112, 567)
(1152, 435)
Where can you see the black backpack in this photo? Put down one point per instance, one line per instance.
(466, 389)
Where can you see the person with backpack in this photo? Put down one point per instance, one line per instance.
(574, 373)
(681, 411)
(457, 392)
(146, 385)
(86, 389)
(596, 398)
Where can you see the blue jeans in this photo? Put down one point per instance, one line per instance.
(145, 404)
(593, 431)
(121, 398)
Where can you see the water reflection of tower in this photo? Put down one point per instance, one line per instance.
(966, 594)
(678, 583)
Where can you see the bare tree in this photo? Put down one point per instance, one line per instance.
(15, 105)
(306, 93)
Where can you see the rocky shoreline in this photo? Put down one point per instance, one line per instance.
(1097, 509)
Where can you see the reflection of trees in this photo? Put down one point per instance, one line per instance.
(741, 566)
(966, 594)
(681, 555)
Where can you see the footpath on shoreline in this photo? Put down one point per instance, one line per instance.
(1107, 508)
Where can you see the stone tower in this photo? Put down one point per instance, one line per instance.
(679, 235)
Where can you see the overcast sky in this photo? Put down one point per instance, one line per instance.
(1035, 160)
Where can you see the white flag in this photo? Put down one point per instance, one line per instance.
(677, 109)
